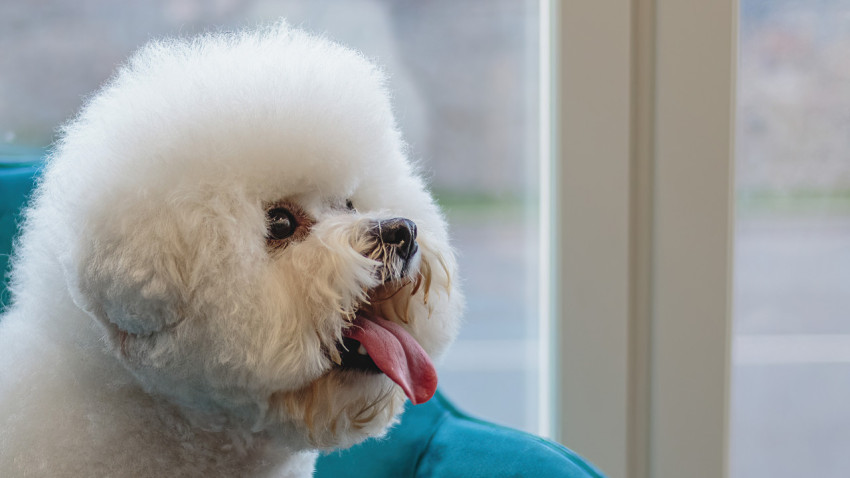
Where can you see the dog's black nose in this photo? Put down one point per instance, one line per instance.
(399, 232)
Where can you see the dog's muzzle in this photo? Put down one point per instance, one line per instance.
(398, 233)
(373, 344)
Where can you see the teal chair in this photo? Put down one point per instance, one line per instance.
(17, 178)
(436, 440)
(433, 440)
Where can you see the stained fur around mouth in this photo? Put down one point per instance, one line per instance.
(393, 267)
(390, 300)
(395, 300)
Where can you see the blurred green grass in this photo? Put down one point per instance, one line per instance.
(468, 205)
(793, 202)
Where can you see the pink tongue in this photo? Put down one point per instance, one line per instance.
(398, 355)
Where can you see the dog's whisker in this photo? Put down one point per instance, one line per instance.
(335, 356)
(416, 283)
(426, 273)
(448, 284)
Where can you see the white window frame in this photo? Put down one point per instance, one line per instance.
(636, 223)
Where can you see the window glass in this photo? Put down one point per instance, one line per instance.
(464, 79)
(790, 401)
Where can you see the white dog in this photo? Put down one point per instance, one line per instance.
(228, 264)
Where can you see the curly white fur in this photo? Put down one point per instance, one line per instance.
(154, 331)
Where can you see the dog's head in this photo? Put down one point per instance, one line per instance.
(238, 213)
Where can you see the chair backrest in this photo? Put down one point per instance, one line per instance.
(436, 440)
(17, 179)
(433, 440)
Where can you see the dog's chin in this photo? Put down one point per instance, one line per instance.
(341, 408)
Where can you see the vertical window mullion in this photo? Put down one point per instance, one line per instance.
(591, 44)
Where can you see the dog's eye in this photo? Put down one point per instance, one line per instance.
(282, 223)
(349, 205)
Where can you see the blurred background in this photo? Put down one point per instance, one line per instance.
(464, 75)
(790, 403)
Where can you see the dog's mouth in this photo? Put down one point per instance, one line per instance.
(373, 344)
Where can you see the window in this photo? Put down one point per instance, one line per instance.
(790, 401)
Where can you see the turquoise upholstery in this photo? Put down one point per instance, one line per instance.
(17, 178)
(433, 439)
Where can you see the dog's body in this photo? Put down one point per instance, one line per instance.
(219, 238)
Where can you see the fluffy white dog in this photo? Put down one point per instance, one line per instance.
(228, 264)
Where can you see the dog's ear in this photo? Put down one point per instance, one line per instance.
(137, 282)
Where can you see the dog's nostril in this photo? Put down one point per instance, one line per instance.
(400, 232)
